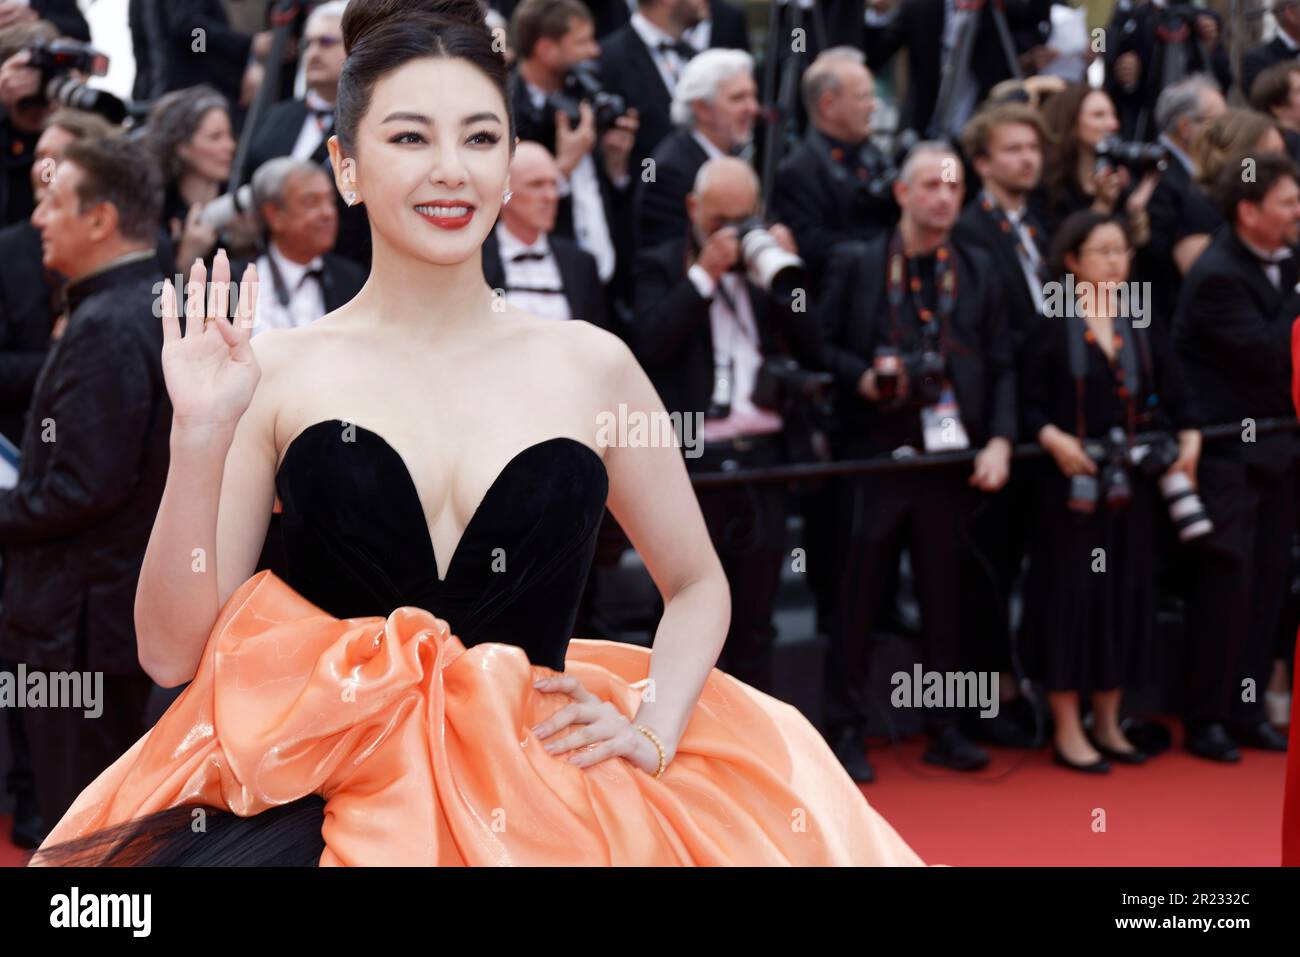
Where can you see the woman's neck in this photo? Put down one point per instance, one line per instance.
(1085, 167)
(194, 188)
(430, 300)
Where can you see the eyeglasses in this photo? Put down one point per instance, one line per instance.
(1117, 252)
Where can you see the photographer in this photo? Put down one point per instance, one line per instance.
(1093, 378)
(1150, 46)
(556, 103)
(23, 112)
(916, 336)
(1232, 332)
(712, 343)
(834, 186)
(714, 110)
(1284, 46)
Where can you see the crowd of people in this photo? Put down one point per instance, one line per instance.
(1103, 271)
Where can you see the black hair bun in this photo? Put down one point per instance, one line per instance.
(363, 16)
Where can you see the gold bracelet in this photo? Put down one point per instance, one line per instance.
(654, 739)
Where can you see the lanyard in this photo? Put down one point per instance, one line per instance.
(900, 275)
(1004, 223)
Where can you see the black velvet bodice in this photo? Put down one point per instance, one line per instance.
(356, 543)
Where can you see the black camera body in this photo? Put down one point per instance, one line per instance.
(926, 373)
(1138, 157)
(57, 61)
(782, 383)
(582, 83)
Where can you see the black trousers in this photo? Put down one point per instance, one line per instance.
(69, 750)
(928, 510)
(1236, 587)
(746, 523)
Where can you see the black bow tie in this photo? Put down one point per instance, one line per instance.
(680, 47)
(527, 254)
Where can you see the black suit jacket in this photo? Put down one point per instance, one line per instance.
(822, 208)
(854, 316)
(578, 275)
(1259, 58)
(65, 15)
(75, 527)
(661, 205)
(1232, 332)
(539, 127)
(277, 134)
(980, 228)
(26, 319)
(628, 69)
(673, 337)
(341, 278)
(918, 25)
(173, 60)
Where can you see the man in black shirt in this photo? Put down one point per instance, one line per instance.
(915, 333)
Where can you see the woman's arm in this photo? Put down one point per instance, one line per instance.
(652, 498)
(216, 505)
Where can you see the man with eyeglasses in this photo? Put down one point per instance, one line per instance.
(299, 128)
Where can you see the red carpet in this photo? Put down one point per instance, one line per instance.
(1174, 811)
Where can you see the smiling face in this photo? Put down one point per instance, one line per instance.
(1097, 119)
(211, 150)
(432, 159)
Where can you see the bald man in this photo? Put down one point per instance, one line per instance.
(547, 275)
(704, 333)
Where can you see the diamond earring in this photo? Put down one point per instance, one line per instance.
(505, 199)
(350, 198)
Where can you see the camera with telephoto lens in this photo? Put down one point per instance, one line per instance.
(782, 383)
(1186, 510)
(57, 61)
(218, 213)
(1138, 157)
(768, 265)
(926, 372)
(583, 83)
(1112, 482)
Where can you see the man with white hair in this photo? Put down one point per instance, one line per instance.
(299, 128)
(834, 186)
(300, 280)
(916, 337)
(713, 112)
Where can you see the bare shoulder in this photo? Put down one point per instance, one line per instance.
(582, 347)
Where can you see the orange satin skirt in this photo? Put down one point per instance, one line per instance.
(422, 751)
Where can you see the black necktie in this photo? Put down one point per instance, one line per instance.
(527, 254)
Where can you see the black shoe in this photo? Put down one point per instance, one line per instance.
(1213, 743)
(1263, 736)
(1136, 756)
(28, 828)
(949, 748)
(1100, 766)
(852, 752)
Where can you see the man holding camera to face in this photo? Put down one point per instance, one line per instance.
(558, 102)
(916, 337)
(717, 332)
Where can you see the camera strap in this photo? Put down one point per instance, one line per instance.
(1126, 346)
(899, 277)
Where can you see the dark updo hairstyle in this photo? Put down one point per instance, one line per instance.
(380, 36)
(1074, 232)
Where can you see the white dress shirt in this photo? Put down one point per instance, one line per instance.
(534, 285)
(590, 227)
(735, 338)
(669, 63)
(1269, 261)
(306, 298)
(315, 128)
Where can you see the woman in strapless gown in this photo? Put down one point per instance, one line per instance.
(386, 703)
